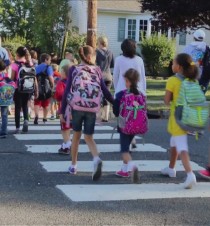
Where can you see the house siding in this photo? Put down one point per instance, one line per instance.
(79, 15)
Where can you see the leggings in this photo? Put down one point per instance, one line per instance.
(108, 85)
(21, 102)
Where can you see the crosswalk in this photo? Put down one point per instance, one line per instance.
(46, 140)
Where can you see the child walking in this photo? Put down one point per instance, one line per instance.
(133, 100)
(65, 128)
(185, 67)
(84, 88)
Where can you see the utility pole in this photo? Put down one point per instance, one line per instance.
(92, 23)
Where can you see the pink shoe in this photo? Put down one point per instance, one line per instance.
(205, 174)
(122, 174)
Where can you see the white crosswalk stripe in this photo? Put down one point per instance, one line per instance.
(41, 134)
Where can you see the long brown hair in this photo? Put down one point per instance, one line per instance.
(133, 77)
(190, 69)
(84, 52)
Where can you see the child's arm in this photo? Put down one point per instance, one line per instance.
(168, 97)
(106, 92)
(116, 105)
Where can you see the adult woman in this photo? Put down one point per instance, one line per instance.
(123, 63)
(105, 60)
(128, 60)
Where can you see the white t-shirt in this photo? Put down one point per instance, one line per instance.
(123, 64)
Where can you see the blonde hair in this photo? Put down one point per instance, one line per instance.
(103, 41)
(55, 67)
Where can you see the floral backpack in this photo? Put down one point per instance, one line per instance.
(7, 89)
(85, 93)
(133, 119)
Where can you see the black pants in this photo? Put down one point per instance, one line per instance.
(21, 102)
(108, 85)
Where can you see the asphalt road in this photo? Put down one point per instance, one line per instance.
(28, 195)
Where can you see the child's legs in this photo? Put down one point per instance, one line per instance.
(45, 105)
(75, 146)
(37, 104)
(52, 106)
(173, 154)
(4, 118)
(17, 100)
(89, 126)
(125, 141)
(66, 135)
(25, 98)
(77, 120)
(182, 149)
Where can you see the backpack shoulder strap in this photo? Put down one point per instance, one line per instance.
(179, 76)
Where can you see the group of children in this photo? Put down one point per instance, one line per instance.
(78, 93)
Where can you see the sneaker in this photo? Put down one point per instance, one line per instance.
(97, 170)
(52, 117)
(169, 172)
(64, 151)
(3, 135)
(205, 174)
(72, 170)
(36, 121)
(44, 120)
(122, 174)
(25, 126)
(133, 146)
(135, 175)
(190, 181)
(17, 131)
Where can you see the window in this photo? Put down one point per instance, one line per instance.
(121, 29)
(132, 29)
(182, 38)
(143, 24)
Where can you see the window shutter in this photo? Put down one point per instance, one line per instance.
(121, 29)
(182, 38)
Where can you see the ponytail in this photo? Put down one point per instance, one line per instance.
(84, 52)
(133, 77)
(190, 69)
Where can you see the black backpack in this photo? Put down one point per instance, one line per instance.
(205, 77)
(26, 78)
(45, 89)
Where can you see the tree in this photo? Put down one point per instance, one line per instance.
(15, 17)
(179, 14)
(51, 21)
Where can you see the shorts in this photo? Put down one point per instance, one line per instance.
(80, 117)
(125, 141)
(64, 126)
(42, 103)
(180, 143)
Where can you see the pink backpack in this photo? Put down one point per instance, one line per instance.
(86, 93)
(132, 119)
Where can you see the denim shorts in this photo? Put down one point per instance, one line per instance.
(125, 141)
(80, 117)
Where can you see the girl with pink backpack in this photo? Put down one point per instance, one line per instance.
(82, 97)
(130, 108)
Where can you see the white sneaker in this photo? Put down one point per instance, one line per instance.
(169, 172)
(190, 181)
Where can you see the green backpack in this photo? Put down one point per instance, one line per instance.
(192, 109)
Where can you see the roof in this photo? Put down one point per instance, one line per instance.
(132, 6)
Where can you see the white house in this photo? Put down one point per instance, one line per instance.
(120, 19)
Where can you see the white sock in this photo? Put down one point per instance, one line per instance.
(130, 165)
(96, 159)
(74, 166)
(190, 174)
(63, 145)
(124, 168)
(67, 144)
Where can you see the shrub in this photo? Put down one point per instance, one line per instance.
(75, 40)
(158, 52)
(13, 43)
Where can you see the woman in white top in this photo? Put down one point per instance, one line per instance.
(123, 63)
